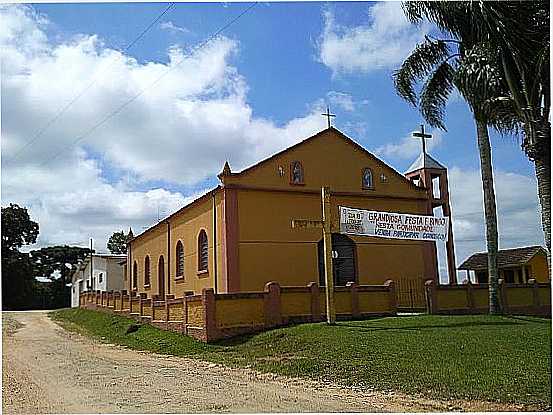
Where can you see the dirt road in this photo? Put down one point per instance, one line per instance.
(49, 370)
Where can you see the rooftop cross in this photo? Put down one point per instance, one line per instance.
(422, 136)
(327, 114)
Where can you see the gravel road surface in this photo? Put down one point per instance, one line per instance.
(49, 370)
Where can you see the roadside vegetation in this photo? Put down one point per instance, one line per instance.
(493, 358)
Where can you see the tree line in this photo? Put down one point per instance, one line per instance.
(52, 265)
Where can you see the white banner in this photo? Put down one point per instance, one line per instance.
(393, 225)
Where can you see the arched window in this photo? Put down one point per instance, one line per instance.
(296, 173)
(367, 179)
(135, 276)
(180, 260)
(147, 271)
(161, 276)
(202, 251)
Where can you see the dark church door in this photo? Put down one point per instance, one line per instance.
(344, 266)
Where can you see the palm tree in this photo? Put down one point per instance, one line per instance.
(518, 34)
(462, 63)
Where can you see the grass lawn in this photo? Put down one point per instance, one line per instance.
(494, 358)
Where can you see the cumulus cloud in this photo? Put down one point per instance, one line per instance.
(186, 117)
(381, 43)
(408, 147)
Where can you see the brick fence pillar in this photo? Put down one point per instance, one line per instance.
(431, 297)
(354, 299)
(272, 305)
(470, 295)
(504, 306)
(185, 314)
(315, 301)
(392, 295)
(210, 322)
(535, 294)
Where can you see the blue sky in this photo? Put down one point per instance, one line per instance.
(278, 57)
(263, 83)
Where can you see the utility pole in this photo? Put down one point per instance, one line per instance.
(326, 225)
(91, 272)
(327, 245)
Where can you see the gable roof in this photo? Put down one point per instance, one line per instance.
(226, 172)
(313, 137)
(505, 258)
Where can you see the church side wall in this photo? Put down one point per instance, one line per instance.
(185, 227)
(270, 250)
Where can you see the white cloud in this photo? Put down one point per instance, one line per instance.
(518, 212)
(170, 26)
(179, 131)
(382, 43)
(409, 147)
(341, 100)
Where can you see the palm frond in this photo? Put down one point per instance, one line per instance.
(417, 65)
(435, 93)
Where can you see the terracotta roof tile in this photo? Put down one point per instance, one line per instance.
(505, 258)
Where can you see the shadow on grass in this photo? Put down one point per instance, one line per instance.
(531, 319)
(430, 326)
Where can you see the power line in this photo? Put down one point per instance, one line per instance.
(139, 94)
(95, 78)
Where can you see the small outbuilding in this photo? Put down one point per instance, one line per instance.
(516, 265)
(105, 272)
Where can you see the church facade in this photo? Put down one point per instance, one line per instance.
(238, 236)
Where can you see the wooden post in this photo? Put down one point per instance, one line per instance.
(327, 245)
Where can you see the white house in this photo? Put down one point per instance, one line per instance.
(106, 273)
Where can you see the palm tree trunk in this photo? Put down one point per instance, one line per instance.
(542, 164)
(490, 213)
(537, 146)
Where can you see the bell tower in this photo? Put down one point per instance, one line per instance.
(428, 173)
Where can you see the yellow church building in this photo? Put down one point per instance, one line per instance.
(238, 236)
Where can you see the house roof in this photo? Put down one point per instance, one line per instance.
(424, 162)
(505, 258)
